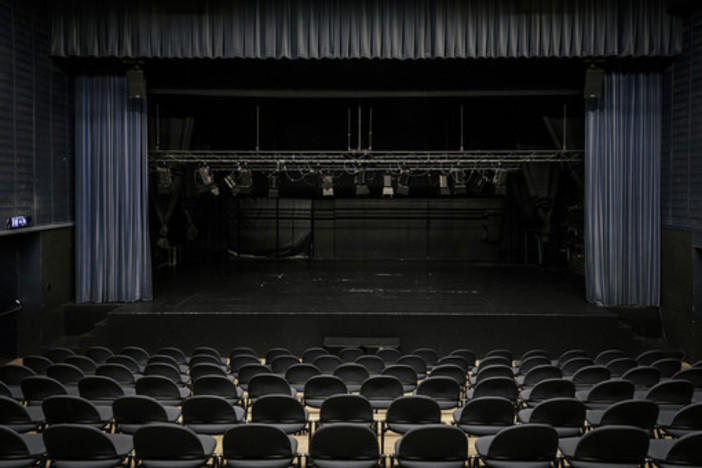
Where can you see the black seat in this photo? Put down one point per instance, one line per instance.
(685, 451)
(37, 388)
(494, 370)
(381, 390)
(166, 370)
(11, 375)
(694, 376)
(102, 390)
(127, 361)
(589, 376)
(219, 386)
(495, 386)
(669, 394)
(344, 446)
(610, 446)
(608, 355)
(525, 445)
(606, 393)
(326, 363)
(571, 354)
(268, 384)
(84, 363)
(297, 375)
(432, 445)
(212, 415)
(132, 412)
(495, 360)
(415, 362)
(273, 353)
(444, 390)
(68, 374)
(546, 390)
(639, 413)
(258, 446)
(139, 354)
(174, 352)
(503, 353)
(375, 364)
(162, 388)
(457, 360)
(70, 409)
(350, 354)
(172, 446)
(280, 364)
(642, 376)
(650, 356)
(346, 408)
(310, 354)
(618, 367)
(99, 354)
(668, 367)
(203, 369)
(58, 353)
(571, 366)
(242, 350)
(539, 373)
(206, 358)
(408, 412)
(352, 374)
(284, 412)
(168, 359)
(77, 445)
(37, 363)
(531, 362)
(565, 415)
(389, 355)
(20, 450)
(119, 372)
(452, 371)
(484, 415)
(405, 374)
(430, 356)
(208, 351)
(247, 371)
(467, 354)
(681, 422)
(241, 360)
(320, 387)
(18, 417)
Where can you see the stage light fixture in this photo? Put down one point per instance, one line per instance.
(388, 191)
(245, 181)
(444, 189)
(500, 182)
(327, 185)
(476, 182)
(205, 181)
(403, 183)
(459, 181)
(361, 184)
(230, 181)
(274, 185)
(164, 180)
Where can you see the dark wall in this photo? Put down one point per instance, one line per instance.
(681, 194)
(36, 122)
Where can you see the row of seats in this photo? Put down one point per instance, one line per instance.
(344, 445)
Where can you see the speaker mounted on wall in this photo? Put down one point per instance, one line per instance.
(136, 85)
(594, 82)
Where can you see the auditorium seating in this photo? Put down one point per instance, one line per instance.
(495, 396)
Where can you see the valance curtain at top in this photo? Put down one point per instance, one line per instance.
(389, 29)
(113, 260)
(622, 191)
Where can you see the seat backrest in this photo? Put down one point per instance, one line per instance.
(497, 386)
(389, 355)
(467, 354)
(571, 366)
(619, 366)
(203, 369)
(532, 362)
(39, 387)
(374, 364)
(12, 445)
(457, 360)
(505, 353)
(127, 361)
(692, 375)
(140, 355)
(12, 412)
(136, 409)
(639, 413)
(687, 450)
(267, 384)
(429, 355)
(611, 391)
(350, 354)
(434, 442)
(495, 370)
(647, 358)
(175, 353)
(206, 351)
(273, 353)
(60, 409)
(590, 375)
(249, 370)
(559, 412)
(84, 363)
(163, 369)
(205, 358)
(535, 352)
(99, 354)
(161, 441)
(668, 366)
(403, 373)
(58, 353)
(352, 373)
(689, 417)
(37, 363)
(242, 350)
(444, 388)
(13, 374)
(492, 360)
(310, 354)
(382, 386)
(414, 409)
(327, 363)
(452, 371)
(613, 444)
(205, 409)
(542, 372)
(119, 372)
(240, 360)
(570, 354)
(346, 408)
(553, 388)
(609, 355)
(281, 363)
(99, 387)
(675, 392)
(277, 408)
(321, 386)
(67, 374)
(77, 442)
(344, 441)
(488, 410)
(525, 442)
(215, 385)
(256, 441)
(301, 373)
(415, 362)
(643, 376)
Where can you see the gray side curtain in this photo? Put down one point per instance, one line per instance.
(390, 29)
(622, 192)
(113, 260)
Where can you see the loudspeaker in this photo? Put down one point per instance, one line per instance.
(135, 84)
(594, 80)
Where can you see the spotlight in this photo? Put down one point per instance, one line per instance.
(459, 182)
(205, 181)
(164, 180)
(403, 183)
(361, 185)
(444, 189)
(388, 191)
(230, 182)
(273, 185)
(500, 181)
(476, 182)
(245, 181)
(327, 185)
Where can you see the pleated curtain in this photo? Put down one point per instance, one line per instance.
(113, 262)
(622, 191)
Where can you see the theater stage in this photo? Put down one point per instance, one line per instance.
(299, 303)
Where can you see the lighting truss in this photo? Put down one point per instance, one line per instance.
(370, 160)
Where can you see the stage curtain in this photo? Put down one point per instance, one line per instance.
(622, 191)
(389, 29)
(112, 246)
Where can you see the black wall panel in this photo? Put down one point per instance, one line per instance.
(36, 122)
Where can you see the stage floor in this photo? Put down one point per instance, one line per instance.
(366, 287)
